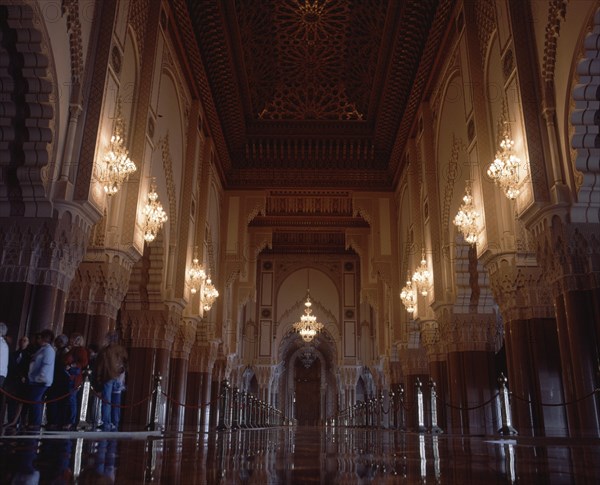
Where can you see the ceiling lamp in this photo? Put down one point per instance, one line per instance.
(422, 276)
(307, 326)
(154, 215)
(117, 165)
(409, 296)
(466, 219)
(504, 170)
(209, 294)
(307, 357)
(196, 275)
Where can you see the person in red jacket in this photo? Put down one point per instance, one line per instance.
(75, 361)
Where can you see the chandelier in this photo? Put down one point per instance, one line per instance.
(307, 326)
(209, 294)
(117, 165)
(504, 170)
(422, 276)
(154, 215)
(409, 296)
(307, 357)
(466, 219)
(196, 275)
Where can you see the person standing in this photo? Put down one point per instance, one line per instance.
(3, 354)
(3, 367)
(41, 375)
(76, 360)
(16, 383)
(110, 364)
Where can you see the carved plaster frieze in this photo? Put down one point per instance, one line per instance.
(42, 252)
(185, 338)
(349, 375)
(99, 287)
(431, 340)
(465, 332)
(569, 255)
(414, 361)
(520, 290)
(149, 328)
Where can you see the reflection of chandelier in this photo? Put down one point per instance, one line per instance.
(504, 170)
(308, 326)
(117, 165)
(409, 296)
(307, 357)
(209, 294)
(154, 215)
(196, 275)
(466, 219)
(422, 276)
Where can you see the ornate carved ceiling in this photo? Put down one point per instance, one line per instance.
(311, 93)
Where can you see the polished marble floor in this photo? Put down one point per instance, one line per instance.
(295, 455)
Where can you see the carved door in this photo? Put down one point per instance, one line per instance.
(308, 393)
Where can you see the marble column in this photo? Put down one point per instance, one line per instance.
(531, 344)
(193, 393)
(534, 377)
(579, 358)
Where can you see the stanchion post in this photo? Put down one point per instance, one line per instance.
(420, 407)
(223, 407)
(507, 427)
(392, 413)
(155, 424)
(401, 410)
(85, 397)
(235, 414)
(435, 429)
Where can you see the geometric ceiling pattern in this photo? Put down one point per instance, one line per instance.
(311, 93)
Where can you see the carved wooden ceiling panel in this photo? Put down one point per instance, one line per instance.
(311, 93)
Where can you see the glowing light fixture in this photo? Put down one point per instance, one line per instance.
(116, 164)
(409, 296)
(196, 274)
(467, 218)
(307, 326)
(209, 294)
(154, 215)
(504, 170)
(422, 276)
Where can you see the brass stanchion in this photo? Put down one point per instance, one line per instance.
(507, 427)
(85, 397)
(223, 405)
(155, 418)
(433, 402)
(420, 407)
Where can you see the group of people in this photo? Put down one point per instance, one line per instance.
(50, 369)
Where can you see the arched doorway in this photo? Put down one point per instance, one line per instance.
(307, 391)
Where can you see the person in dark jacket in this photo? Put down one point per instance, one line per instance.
(110, 364)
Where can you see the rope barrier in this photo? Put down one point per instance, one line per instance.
(568, 403)
(460, 408)
(189, 406)
(48, 401)
(122, 406)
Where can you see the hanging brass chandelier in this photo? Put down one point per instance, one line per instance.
(209, 294)
(116, 164)
(196, 274)
(307, 326)
(154, 215)
(422, 276)
(467, 218)
(504, 170)
(408, 296)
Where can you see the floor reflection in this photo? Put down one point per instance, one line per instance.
(295, 455)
